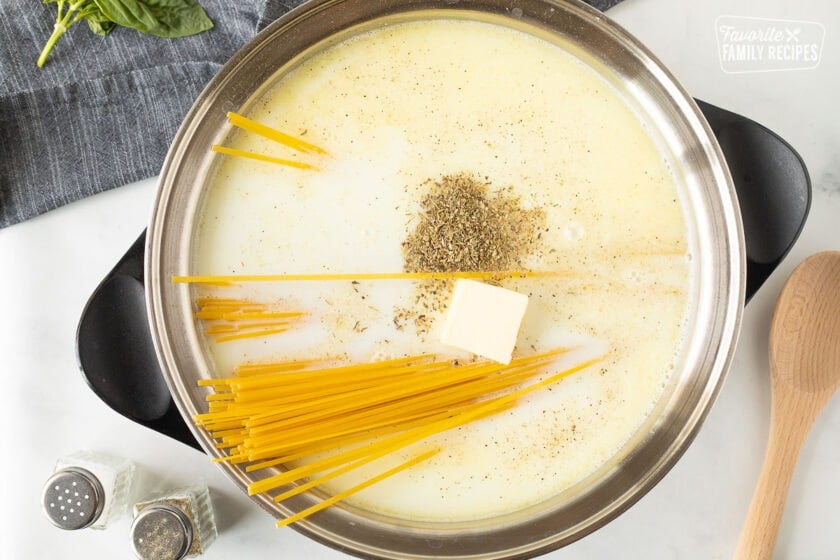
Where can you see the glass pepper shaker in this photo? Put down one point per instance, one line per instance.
(174, 526)
(87, 489)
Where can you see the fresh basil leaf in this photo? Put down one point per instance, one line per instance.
(162, 18)
(99, 23)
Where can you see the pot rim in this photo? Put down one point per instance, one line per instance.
(167, 239)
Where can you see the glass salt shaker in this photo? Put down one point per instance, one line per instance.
(87, 489)
(173, 526)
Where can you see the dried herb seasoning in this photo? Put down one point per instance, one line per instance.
(463, 227)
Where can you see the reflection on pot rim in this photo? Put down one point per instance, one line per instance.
(716, 231)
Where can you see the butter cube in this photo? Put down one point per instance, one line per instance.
(484, 320)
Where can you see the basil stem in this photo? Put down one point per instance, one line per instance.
(76, 12)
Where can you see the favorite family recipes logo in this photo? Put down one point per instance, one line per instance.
(748, 44)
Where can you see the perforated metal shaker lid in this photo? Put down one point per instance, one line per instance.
(73, 498)
(161, 532)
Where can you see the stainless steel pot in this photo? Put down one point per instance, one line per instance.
(713, 221)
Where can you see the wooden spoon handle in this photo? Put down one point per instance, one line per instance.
(758, 536)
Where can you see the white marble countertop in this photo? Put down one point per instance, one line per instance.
(52, 264)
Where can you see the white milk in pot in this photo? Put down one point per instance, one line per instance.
(409, 113)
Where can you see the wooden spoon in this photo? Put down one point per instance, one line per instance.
(805, 373)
